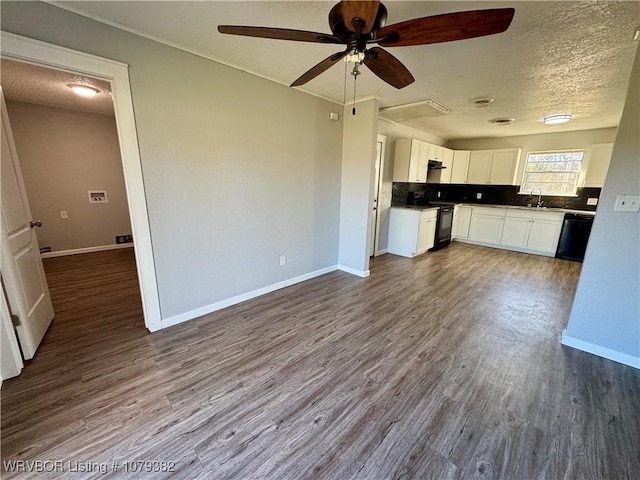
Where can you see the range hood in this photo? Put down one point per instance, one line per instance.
(435, 165)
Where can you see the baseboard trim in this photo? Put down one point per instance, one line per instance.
(381, 252)
(599, 351)
(199, 312)
(77, 251)
(353, 271)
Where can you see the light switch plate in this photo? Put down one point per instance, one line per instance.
(627, 203)
(478, 196)
(592, 201)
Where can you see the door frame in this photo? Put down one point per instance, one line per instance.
(35, 52)
(382, 139)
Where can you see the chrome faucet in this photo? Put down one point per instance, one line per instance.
(540, 201)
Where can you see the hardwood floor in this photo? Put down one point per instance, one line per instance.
(446, 366)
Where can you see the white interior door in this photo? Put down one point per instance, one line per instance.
(376, 192)
(22, 269)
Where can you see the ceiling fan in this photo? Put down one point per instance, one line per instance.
(359, 24)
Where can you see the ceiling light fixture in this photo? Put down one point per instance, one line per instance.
(441, 108)
(84, 90)
(557, 119)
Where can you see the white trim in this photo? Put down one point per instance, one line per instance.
(41, 53)
(603, 352)
(78, 251)
(5, 318)
(381, 252)
(353, 271)
(193, 51)
(199, 312)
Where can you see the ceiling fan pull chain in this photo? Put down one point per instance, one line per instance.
(355, 74)
(344, 91)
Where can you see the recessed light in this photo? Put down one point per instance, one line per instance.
(557, 119)
(502, 121)
(482, 102)
(84, 90)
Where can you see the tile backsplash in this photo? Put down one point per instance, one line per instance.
(491, 194)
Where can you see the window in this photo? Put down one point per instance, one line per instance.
(555, 173)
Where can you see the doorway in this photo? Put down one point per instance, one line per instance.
(29, 51)
(378, 181)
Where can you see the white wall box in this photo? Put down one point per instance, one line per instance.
(460, 166)
(598, 164)
(411, 231)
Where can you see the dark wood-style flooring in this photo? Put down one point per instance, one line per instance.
(446, 366)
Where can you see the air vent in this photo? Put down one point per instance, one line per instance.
(502, 121)
(482, 102)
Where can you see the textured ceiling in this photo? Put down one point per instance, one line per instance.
(556, 57)
(23, 82)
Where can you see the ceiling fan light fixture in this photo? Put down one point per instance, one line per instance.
(502, 121)
(557, 119)
(84, 90)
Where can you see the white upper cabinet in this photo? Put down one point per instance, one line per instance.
(495, 167)
(410, 161)
(598, 164)
(460, 166)
(504, 166)
(447, 163)
(479, 166)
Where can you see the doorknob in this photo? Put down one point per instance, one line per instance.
(33, 224)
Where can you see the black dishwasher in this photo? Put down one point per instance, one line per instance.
(574, 236)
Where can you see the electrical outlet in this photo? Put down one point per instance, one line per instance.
(283, 260)
(64, 214)
(592, 201)
(478, 196)
(627, 203)
(439, 194)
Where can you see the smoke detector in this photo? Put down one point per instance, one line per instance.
(502, 121)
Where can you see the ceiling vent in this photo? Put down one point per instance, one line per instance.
(409, 111)
(482, 102)
(502, 121)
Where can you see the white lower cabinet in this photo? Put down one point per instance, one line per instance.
(486, 225)
(515, 229)
(536, 232)
(411, 231)
(461, 221)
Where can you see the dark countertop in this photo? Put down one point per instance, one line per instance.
(511, 207)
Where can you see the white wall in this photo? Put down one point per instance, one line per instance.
(580, 139)
(356, 197)
(393, 131)
(237, 170)
(605, 318)
(64, 154)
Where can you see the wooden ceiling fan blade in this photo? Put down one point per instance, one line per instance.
(388, 68)
(446, 27)
(279, 34)
(319, 68)
(365, 10)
